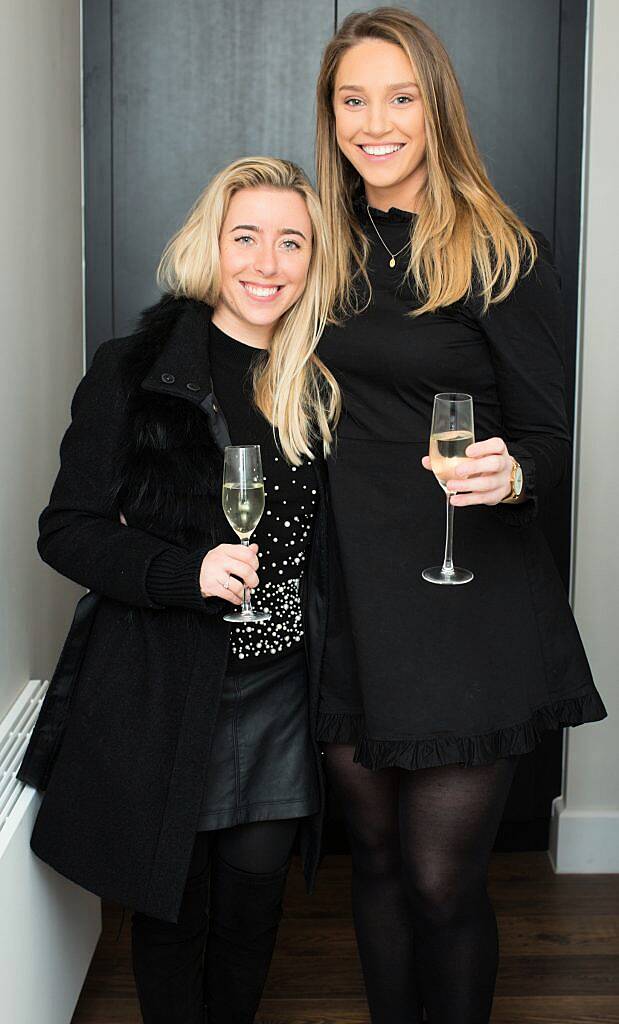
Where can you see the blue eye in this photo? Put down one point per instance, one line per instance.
(244, 238)
(352, 99)
(408, 99)
(290, 241)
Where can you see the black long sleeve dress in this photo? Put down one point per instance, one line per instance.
(463, 674)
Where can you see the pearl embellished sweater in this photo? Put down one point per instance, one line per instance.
(283, 533)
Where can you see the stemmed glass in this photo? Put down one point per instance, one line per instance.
(451, 433)
(243, 504)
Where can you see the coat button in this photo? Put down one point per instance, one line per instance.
(168, 378)
(193, 387)
(215, 409)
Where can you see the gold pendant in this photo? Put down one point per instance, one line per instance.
(392, 261)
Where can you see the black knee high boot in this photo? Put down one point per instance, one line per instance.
(168, 958)
(245, 911)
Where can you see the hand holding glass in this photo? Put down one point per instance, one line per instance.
(243, 505)
(452, 432)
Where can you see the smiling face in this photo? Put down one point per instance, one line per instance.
(379, 122)
(265, 245)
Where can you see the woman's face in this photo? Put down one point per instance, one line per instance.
(379, 122)
(265, 247)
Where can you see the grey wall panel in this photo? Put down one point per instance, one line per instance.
(98, 244)
(567, 224)
(196, 85)
(506, 58)
(570, 119)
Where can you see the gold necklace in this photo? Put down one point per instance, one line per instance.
(392, 254)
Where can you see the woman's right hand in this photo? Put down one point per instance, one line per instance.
(218, 567)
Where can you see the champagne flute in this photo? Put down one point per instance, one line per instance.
(243, 505)
(451, 433)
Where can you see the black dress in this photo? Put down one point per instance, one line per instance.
(449, 674)
(261, 763)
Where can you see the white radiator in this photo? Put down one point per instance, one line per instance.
(49, 927)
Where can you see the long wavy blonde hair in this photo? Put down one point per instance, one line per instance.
(292, 387)
(466, 239)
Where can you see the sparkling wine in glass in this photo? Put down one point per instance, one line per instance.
(452, 432)
(243, 505)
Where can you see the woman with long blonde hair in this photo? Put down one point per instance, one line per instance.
(440, 288)
(176, 749)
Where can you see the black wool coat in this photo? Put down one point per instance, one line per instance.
(121, 746)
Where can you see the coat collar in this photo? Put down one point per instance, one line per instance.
(182, 367)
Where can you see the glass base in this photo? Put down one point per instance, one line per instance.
(255, 615)
(451, 579)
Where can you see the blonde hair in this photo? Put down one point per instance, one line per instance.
(292, 387)
(466, 239)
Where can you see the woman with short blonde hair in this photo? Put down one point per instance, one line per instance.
(176, 748)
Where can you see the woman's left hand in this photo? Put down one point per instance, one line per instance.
(485, 474)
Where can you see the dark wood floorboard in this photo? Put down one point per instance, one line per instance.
(559, 938)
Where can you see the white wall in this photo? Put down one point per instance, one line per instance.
(41, 300)
(586, 826)
(49, 926)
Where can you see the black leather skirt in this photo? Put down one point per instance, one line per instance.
(262, 764)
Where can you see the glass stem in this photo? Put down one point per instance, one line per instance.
(448, 565)
(246, 606)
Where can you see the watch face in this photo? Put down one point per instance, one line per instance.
(518, 480)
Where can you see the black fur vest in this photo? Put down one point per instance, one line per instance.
(168, 472)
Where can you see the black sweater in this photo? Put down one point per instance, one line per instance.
(284, 530)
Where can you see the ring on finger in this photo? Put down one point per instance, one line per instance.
(226, 585)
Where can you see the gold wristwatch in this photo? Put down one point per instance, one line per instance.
(517, 483)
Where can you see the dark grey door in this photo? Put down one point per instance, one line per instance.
(173, 92)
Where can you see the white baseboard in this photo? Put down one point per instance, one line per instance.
(583, 842)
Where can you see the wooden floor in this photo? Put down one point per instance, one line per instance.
(559, 939)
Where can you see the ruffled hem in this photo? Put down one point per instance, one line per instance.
(344, 727)
(434, 751)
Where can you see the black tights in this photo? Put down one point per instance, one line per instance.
(219, 951)
(421, 843)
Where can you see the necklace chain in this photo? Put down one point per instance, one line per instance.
(382, 241)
